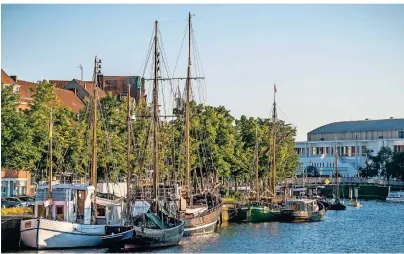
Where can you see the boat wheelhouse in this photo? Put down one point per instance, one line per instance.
(302, 210)
(66, 221)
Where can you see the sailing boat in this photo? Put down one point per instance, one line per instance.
(335, 203)
(257, 211)
(152, 227)
(202, 218)
(70, 208)
(354, 203)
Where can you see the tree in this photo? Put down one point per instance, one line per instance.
(18, 151)
(395, 168)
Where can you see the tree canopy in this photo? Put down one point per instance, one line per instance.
(220, 143)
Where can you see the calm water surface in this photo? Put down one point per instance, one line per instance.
(376, 227)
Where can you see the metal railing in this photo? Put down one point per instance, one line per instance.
(341, 180)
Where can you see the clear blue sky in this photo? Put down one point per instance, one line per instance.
(330, 62)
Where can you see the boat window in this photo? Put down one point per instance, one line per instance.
(60, 212)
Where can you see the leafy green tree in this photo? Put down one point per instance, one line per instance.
(17, 152)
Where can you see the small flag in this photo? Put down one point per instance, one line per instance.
(50, 129)
(275, 88)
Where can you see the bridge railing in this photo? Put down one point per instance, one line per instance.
(341, 180)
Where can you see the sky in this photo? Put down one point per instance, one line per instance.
(329, 62)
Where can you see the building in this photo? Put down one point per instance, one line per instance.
(353, 140)
(82, 89)
(16, 182)
(117, 85)
(26, 91)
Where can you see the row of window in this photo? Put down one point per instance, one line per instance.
(398, 149)
(323, 164)
(343, 150)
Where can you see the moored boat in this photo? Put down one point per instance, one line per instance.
(302, 210)
(259, 212)
(202, 219)
(395, 196)
(65, 214)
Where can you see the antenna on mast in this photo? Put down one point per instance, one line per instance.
(81, 70)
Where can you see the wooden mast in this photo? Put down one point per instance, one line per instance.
(187, 109)
(155, 119)
(94, 144)
(129, 173)
(336, 169)
(274, 148)
(256, 163)
(50, 156)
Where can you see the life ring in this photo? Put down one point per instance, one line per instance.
(148, 195)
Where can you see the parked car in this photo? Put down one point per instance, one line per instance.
(9, 203)
(22, 200)
(27, 200)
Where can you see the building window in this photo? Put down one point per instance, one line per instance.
(313, 150)
(400, 134)
(4, 188)
(363, 149)
(349, 151)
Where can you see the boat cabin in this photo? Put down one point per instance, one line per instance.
(72, 203)
(304, 205)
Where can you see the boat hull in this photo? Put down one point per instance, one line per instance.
(204, 224)
(153, 238)
(258, 213)
(301, 216)
(397, 200)
(48, 234)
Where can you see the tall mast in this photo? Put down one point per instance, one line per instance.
(50, 156)
(129, 173)
(187, 109)
(336, 168)
(274, 116)
(97, 68)
(155, 118)
(256, 164)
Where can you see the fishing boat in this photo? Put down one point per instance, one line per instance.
(335, 203)
(148, 223)
(302, 210)
(395, 196)
(70, 209)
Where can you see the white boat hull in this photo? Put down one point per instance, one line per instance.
(49, 234)
(400, 200)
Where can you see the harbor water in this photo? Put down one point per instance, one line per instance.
(376, 227)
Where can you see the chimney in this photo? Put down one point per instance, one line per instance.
(14, 78)
(85, 86)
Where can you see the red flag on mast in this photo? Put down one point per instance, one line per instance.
(275, 88)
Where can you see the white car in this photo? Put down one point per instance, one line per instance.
(22, 200)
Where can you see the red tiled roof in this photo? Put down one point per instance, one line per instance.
(27, 90)
(66, 97)
(69, 99)
(89, 86)
(5, 78)
(59, 83)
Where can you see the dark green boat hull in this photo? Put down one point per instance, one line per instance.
(256, 213)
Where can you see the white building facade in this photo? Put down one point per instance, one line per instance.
(352, 139)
